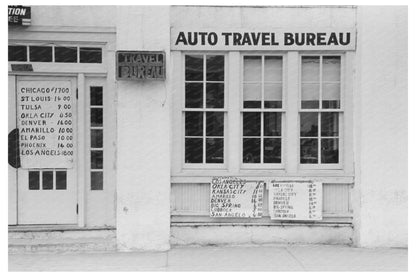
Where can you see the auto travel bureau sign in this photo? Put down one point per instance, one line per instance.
(140, 65)
(240, 39)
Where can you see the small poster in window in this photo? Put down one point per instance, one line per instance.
(234, 197)
(295, 200)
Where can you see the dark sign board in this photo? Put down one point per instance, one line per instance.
(141, 65)
(22, 67)
(19, 15)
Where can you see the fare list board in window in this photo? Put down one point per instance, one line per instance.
(234, 197)
(45, 123)
(295, 200)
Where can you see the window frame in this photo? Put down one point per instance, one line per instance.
(320, 110)
(263, 166)
(204, 110)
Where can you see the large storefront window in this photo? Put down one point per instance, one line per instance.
(204, 109)
(262, 114)
(320, 109)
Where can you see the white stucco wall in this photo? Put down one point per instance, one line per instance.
(381, 127)
(57, 16)
(143, 166)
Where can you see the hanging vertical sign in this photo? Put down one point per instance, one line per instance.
(19, 15)
(234, 197)
(295, 200)
(45, 121)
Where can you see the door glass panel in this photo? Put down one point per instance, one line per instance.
(97, 159)
(97, 180)
(61, 180)
(47, 180)
(34, 180)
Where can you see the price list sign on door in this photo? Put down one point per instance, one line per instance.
(45, 120)
(295, 200)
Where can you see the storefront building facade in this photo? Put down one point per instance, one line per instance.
(291, 94)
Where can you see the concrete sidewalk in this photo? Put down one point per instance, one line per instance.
(224, 258)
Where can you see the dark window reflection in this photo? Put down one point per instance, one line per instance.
(61, 180)
(90, 55)
(251, 124)
(329, 124)
(193, 150)
(47, 180)
(194, 68)
(251, 150)
(271, 104)
(34, 180)
(309, 124)
(40, 53)
(96, 159)
(215, 95)
(66, 54)
(193, 95)
(17, 53)
(214, 150)
(272, 124)
(215, 68)
(97, 180)
(329, 151)
(215, 124)
(194, 123)
(308, 151)
(272, 150)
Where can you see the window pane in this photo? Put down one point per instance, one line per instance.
(273, 96)
(329, 124)
(215, 150)
(194, 68)
(331, 95)
(310, 96)
(329, 151)
(215, 124)
(215, 95)
(308, 151)
(273, 69)
(40, 53)
(331, 68)
(96, 138)
(96, 96)
(251, 124)
(193, 150)
(215, 68)
(272, 150)
(47, 180)
(34, 180)
(193, 95)
(309, 124)
(194, 123)
(310, 69)
(90, 55)
(17, 53)
(252, 68)
(61, 180)
(96, 159)
(272, 124)
(97, 180)
(252, 95)
(66, 54)
(96, 117)
(251, 150)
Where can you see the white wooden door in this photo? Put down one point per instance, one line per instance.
(47, 179)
